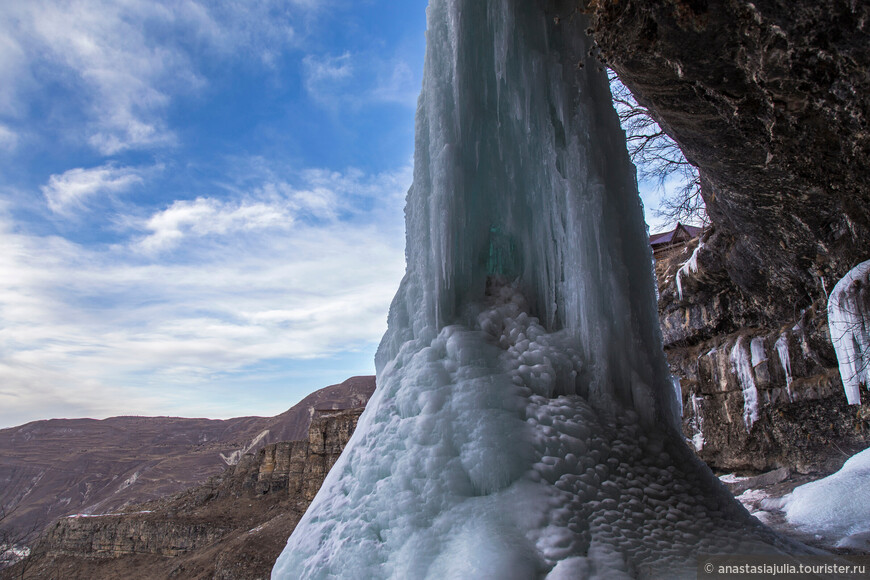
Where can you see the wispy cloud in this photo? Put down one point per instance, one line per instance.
(122, 63)
(358, 80)
(8, 138)
(230, 284)
(72, 189)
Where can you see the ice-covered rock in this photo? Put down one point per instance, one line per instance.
(849, 321)
(785, 360)
(687, 268)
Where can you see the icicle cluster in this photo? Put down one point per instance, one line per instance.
(849, 322)
(687, 268)
(742, 367)
(785, 360)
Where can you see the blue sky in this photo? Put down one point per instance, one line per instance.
(200, 201)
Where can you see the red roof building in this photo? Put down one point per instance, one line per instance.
(663, 242)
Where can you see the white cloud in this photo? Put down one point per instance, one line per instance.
(101, 331)
(8, 138)
(71, 189)
(357, 80)
(275, 205)
(121, 62)
(203, 217)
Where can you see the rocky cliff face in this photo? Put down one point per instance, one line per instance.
(50, 469)
(755, 396)
(769, 99)
(232, 527)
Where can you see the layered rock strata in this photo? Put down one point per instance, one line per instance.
(755, 396)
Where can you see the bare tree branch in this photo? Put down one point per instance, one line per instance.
(659, 159)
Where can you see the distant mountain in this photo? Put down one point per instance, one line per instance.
(60, 467)
(231, 527)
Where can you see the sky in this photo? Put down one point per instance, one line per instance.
(201, 202)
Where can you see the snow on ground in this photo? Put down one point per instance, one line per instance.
(837, 506)
(116, 514)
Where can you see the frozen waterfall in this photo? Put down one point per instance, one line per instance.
(525, 424)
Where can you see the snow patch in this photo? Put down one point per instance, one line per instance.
(731, 478)
(236, 456)
(837, 505)
(115, 514)
(127, 482)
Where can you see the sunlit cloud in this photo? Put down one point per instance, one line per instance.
(8, 138)
(72, 189)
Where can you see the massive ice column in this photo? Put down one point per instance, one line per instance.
(524, 424)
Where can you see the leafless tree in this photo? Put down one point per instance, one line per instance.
(658, 158)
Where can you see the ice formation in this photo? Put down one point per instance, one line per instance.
(524, 424)
(785, 360)
(849, 322)
(837, 506)
(678, 392)
(697, 423)
(687, 268)
(756, 349)
(742, 367)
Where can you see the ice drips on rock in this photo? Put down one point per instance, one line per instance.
(849, 322)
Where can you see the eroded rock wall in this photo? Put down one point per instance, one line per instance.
(756, 396)
(769, 99)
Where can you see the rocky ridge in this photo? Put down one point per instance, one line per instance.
(769, 99)
(55, 468)
(231, 527)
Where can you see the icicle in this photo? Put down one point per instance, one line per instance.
(697, 423)
(756, 348)
(740, 366)
(849, 323)
(688, 267)
(678, 392)
(785, 361)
